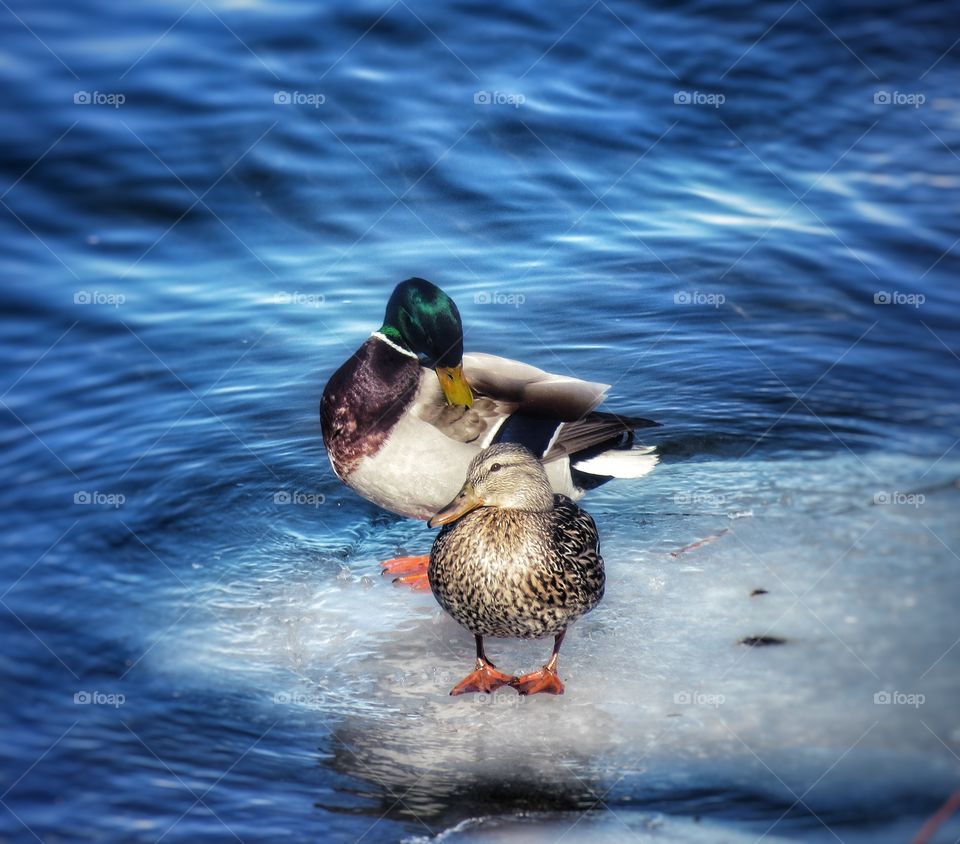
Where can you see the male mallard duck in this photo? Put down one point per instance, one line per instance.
(516, 562)
(402, 436)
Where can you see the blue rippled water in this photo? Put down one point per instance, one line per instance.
(742, 217)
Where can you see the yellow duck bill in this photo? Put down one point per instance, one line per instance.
(455, 386)
(465, 501)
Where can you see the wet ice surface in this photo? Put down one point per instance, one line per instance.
(667, 718)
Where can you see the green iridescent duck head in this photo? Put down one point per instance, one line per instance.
(424, 320)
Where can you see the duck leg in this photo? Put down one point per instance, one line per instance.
(485, 678)
(409, 571)
(544, 680)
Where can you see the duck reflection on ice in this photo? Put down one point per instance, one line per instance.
(419, 773)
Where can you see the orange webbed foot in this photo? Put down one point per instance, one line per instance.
(406, 565)
(409, 571)
(545, 680)
(485, 678)
(417, 582)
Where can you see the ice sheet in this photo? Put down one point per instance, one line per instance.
(855, 715)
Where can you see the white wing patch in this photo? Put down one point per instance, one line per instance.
(631, 463)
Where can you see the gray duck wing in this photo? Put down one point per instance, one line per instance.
(502, 389)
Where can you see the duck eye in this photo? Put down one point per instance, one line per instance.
(496, 467)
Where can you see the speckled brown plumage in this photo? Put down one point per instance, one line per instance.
(511, 573)
(514, 561)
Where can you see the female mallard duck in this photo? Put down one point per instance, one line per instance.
(402, 436)
(516, 562)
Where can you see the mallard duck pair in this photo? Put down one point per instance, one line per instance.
(402, 436)
(514, 560)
